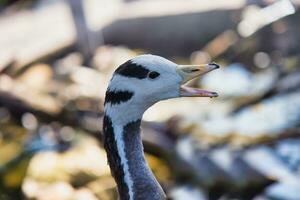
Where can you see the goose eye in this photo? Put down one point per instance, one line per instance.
(153, 75)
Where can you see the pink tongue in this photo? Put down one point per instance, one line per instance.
(195, 92)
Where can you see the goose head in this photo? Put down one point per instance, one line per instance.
(144, 80)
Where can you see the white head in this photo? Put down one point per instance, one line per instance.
(147, 79)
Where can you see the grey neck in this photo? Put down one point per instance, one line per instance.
(143, 185)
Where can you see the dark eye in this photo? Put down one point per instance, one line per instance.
(153, 75)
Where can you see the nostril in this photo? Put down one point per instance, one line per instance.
(194, 70)
(215, 64)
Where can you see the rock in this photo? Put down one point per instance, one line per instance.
(284, 191)
(189, 109)
(267, 119)
(84, 194)
(104, 188)
(240, 174)
(289, 151)
(180, 27)
(55, 191)
(45, 31)
(32, 96)
(187, 192)
(199, 163)
(36, 76)
(89, 83)
(108, 58)
(225, 81)
(79, 165)
(160, 168)
(265, 160)
(288, 83)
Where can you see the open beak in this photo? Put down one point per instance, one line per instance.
(189, 72)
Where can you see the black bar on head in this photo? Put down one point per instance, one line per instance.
(117, 97)
(133, 70)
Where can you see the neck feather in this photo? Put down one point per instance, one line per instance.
(125, 155)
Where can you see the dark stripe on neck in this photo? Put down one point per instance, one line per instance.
(114, 159)
(116, 97)
(133, 70)
(145, 186)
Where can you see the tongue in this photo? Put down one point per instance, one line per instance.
(195, 92)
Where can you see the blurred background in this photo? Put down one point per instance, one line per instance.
(57, 56)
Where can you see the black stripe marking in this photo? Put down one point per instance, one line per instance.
(133, 70)
(116, 97)
(114, 159)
